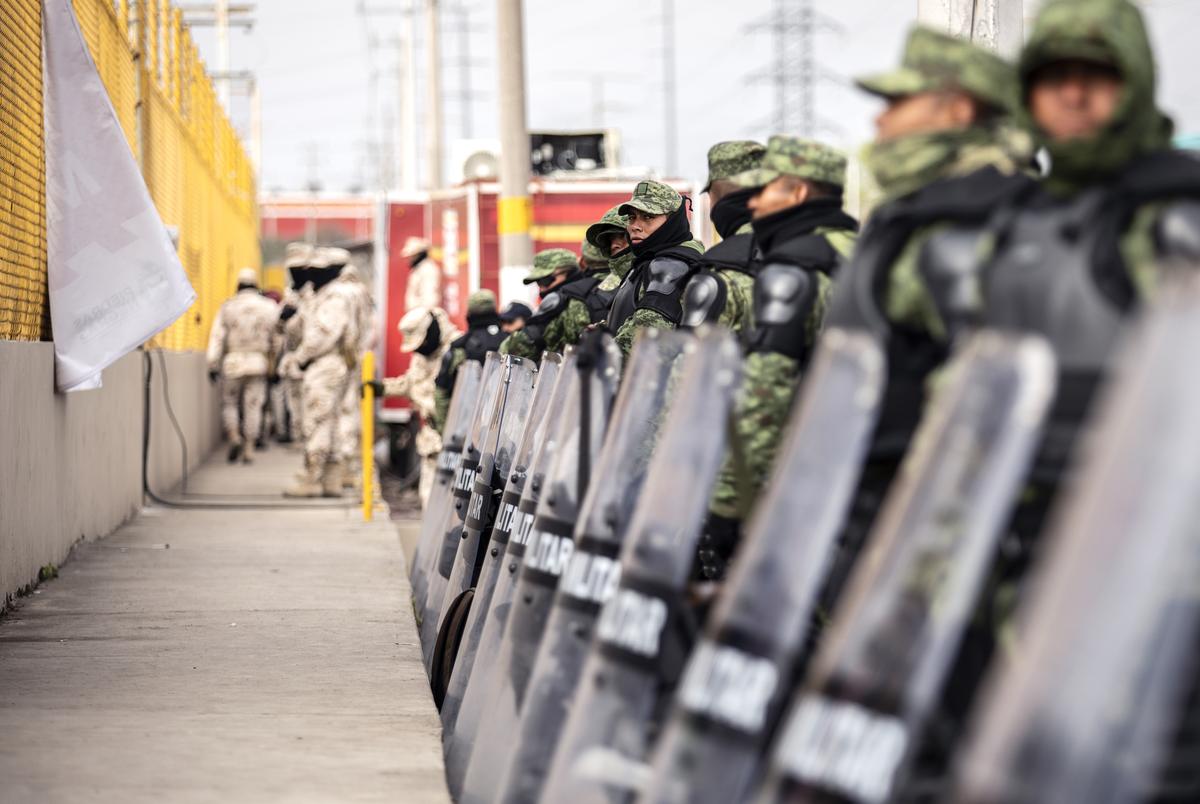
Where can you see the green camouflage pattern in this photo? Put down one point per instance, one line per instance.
(1112, 32)
(619, 267)
(441, 399)
(934, 61)
(550, 261)
(568, 327)
(593, 258)
(647, 319)
(481, 301)
(769, 382)
(653, 198)
(519, 344)
(727, 159)
(799, 158)
(612, 222)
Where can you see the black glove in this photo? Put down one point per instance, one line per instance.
(304, 366)
(273, 378)
(376, 384)
(213, 374)
(288, 312)
(717, 545)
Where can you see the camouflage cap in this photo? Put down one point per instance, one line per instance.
(551, 261)
(336, 256)
(593, 255)
(653, 198)
(793, 156)
(297, 255)
(413, 326)
(613, 222)
(481, 301)
(935, 61)
(727, 159)
(248, 276)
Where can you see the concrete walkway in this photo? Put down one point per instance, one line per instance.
(233, 656)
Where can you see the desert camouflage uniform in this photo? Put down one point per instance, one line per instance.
(350, 421)
(240, 347)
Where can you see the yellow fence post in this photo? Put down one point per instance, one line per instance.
(368, 437)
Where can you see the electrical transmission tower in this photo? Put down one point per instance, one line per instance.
(794, 70)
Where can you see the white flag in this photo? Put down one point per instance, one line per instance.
(114, 277)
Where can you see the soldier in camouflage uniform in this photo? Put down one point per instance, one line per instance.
(484, 334)
(327, 355)
(609, 237)
(427, 335)
(291, 325)
(240, 353)
(560, 280)
(350, 423)
(665, 255)
(721, 291)
(803, 236)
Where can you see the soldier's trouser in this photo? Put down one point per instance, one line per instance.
(350, 425)
(293, 394)
(425, 484)
(242, 400)
(278, 407)
(324, 388)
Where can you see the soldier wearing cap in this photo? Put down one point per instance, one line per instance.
(426, 335)
(291, 325)
(556, 272)
(665, 255)
(802, 234)
(327, 354)
(514, 316)
(424, 285)
(720, 293)
(484, 334)
(609, 237)
(350, 421)
(240, 353)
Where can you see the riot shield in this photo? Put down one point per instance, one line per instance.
(598, 362)
(496, 456)
(1097, 701)
(492, 551)
(443, 555)
(855, 725)
(736, 680)
(643, 632)
(510, 547)
(466, 390)
(593, 570)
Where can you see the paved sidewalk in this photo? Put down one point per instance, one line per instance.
(210, 655)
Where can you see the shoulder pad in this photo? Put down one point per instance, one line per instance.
(666, 272)
(551, 306)
(703, 300)
(735, 253)
(950, 265)
(1177, 230)
(665, 280)
(784, 298)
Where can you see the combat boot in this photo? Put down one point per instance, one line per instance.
(351, 475)
(331, 479)
(308, 484)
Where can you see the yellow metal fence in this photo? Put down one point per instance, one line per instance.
(198, 173)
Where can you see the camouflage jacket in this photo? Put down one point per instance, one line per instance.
(241, 341)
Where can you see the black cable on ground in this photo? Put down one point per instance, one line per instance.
(218, 502)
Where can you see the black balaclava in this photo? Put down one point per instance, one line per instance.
(674, 231)
(732, 212)
(433, 338)
(801, 219)
(417, 259)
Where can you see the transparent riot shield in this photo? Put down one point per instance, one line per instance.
(854, 726)
(496, 540)
(736, 680)
(1097, 700)
(598, 362)
(593, 571)
(442, 556)
(510, 547)
(496, 456)
(462, 402)
(645, 629)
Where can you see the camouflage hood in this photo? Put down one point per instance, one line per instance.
(1110, 32)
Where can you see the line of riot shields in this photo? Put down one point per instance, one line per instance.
(574, 658)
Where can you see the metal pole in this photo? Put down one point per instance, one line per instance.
(222, 15)
(515, 207)
(368, 437)
(995, 24)
(256, 129)
(670, 121)
(433, 123)
(408, 104)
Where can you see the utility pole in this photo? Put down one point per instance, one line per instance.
(433, 121)
(794, 70)
(670, 110)
(408, 102)
(995, 24)
(222, 13)
(466, 96)
(515, 207)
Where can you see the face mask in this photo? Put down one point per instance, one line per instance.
(904, 165)
(732, 213)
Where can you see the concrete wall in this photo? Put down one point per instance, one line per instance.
(71, 464)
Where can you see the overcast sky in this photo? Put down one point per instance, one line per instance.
(329, 98)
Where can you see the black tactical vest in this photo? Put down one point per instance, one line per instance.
(625, 301)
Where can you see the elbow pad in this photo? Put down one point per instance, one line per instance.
(1177, 231)
(784, 298)
(703, 300)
